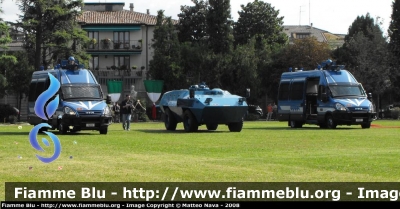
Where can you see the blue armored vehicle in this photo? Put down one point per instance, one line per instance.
(201, 105)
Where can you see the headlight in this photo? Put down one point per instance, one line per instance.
(340, 107)
(107, 111)
(69, 111)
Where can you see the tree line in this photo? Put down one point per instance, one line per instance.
(207, 45)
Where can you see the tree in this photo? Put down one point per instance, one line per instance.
(219, 26)
(394, 49)
(259, 20)
(365, 54)
(206, 36)
(259, 24)
(166, 64)
(5, 58)
(192, 24)
(243, 72)
(306, 53)
(51, 31)
(19, 77)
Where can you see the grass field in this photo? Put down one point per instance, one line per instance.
(261, 152)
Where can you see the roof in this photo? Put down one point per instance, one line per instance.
(117, 17)
(322, 35)
(295, 29)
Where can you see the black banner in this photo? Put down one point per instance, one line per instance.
(118, 205)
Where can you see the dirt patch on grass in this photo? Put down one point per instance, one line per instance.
(380, 126)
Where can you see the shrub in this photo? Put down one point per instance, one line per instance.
(395, 112)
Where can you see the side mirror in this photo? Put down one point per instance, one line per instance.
(108, 99)
(369, 96)
(247, 92)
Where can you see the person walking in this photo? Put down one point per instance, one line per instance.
(274, 111)
(126, 111)
(269, 112)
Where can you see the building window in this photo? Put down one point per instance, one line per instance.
(121, 40)
(94, 63)
(302, 35)
(122, 61)
(94, 35)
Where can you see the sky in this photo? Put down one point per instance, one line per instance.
(335, 16)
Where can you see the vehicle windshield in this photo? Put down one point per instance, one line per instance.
(81, 92)
(346, 90)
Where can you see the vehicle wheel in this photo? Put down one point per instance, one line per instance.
(330, 123)
(366, 125)
(295, 124)
(169, 120)
(212, 126)
(189, 122)
(292, 124)
(103, 130)
(62, 129)
(235, 127)
(75, 129)
(41, 130)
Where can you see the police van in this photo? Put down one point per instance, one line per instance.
(81, 105)
(327, 96)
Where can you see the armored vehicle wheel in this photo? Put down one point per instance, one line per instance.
(103, 130)
(189, 122)
(366, 125)
(212, 126)
(330, 123)
(169, 121)
(235, 127)
(62, 129)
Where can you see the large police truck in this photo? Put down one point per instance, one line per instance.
(81, 104)
(327, 96)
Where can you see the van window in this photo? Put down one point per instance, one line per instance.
(297, 91)
(346, 90)
(284, 91)
(32, 88)
(37, 87)
(76, 92)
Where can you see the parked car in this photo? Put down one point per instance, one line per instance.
(256, 110)
(387, 111)
(8, 113)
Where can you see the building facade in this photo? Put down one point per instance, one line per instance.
(121, 47)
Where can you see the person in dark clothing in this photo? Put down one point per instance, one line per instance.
(126, 111)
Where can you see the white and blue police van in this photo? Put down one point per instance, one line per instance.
(81, 105)
(327, 96)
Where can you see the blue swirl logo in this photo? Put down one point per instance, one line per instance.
(40, 107)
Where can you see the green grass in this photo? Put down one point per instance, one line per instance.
(261, 152)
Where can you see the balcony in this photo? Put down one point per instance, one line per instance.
(116, 72)
(108, 45)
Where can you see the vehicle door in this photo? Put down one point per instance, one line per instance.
(297, 100)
